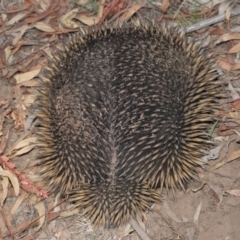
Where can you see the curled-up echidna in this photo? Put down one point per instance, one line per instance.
(123, 112)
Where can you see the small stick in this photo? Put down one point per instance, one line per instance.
(211, 21)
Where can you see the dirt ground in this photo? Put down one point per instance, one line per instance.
(208, 210)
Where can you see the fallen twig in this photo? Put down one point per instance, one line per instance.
(211, 21)
(138, 229)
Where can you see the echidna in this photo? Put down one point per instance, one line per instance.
(124, 112)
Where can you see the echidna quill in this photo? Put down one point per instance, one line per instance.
(124, 112)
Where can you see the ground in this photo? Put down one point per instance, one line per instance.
(30, 31)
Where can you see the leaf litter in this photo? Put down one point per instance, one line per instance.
(30, 31)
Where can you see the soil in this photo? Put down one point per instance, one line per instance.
(208, 210)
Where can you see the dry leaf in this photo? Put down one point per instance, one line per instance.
(197, 213)
(41, 210)
(25, 142)
(213, 154)
(88, 20)
(233, 115)
(237, 132)
(235, 49)
(130, 11)
(22, 77)
(30, 83)
(223, 7)
(17, 18)
(217, 190)
(234, 192)
(229, 66)
(6, 160)
(230, 157)
(18, 116)
(4, 16)
(18, 202)
(24, 150)
(233, 91)
(170, 213)
(28, 122)
(165, 5)
(12, 178)
(47, 50)
(69, 213)
(21, 30)
(4, 182)
(7, 51)
(228, 36)
(221, 138)
(101, 8)
(140, 222)
(228, 14)
(66, 20)
(63, 232)
(216, 31)
(127, 230)
(4, 142)
(43, 27)
(29, 100)
(190, 233)
(236, 105)
(43, 5)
